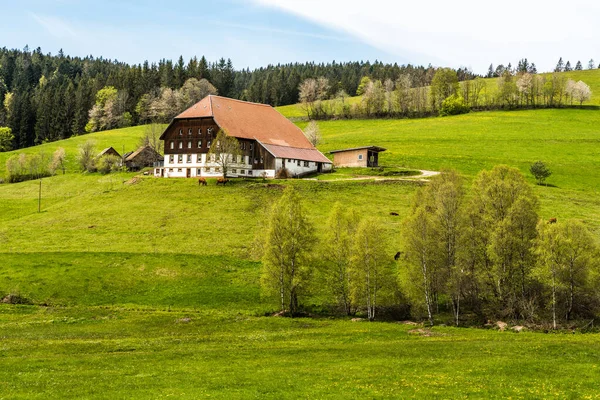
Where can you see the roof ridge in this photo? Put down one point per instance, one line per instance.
(238, 100)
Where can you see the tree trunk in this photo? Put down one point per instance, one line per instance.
(554, 300)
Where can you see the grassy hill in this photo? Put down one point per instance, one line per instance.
(151, 286)
(123, 140)
(591, 77)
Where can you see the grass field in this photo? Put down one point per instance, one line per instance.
(149, 288)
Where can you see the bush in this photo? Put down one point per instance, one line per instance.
(282, 173)
(454, 105)
(87, 156)
(108, 164)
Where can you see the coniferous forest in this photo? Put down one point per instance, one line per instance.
(47, 97)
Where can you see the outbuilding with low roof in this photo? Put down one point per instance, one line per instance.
(366, 156)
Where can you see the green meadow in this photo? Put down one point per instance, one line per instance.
(149, 288)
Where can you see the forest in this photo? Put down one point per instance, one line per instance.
(47, 97)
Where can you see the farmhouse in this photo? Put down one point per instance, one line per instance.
(367, 156)
(268, 141)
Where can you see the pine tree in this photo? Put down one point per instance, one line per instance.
(560, 66)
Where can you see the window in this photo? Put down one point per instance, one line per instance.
(249, 172)
(218, 169)
(208, 144)
(199, 131)
(242, 171)
(256, 161)
(171, 158)
(243, 145)
(212, 157)
(189, 158)
(170, 169)
(180, 132)
(181, 145)
(179, 170)
(251, 146)
(306, 164)
(172, 145)
(200, 143)
(262, 160)
(199, 171)
(234, 171)
(189, 144)
(209, 131)
(190, 131)
(360, 157)
(180, 158)
(289, 160)
(298, 163)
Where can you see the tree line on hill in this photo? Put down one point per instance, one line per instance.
(473, 256)
(45, 97)
(446, 95)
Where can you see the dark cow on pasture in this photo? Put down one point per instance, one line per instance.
(201, 182)
(222, 181)
(552, 221)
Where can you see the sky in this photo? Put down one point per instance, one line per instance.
(254, 33)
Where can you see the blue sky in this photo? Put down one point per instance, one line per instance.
(254, 33)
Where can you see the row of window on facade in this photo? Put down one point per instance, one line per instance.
(209, 131)
(239, 159)
(299, 162)
(199, 145)
(211, 170)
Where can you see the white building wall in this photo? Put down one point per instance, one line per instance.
(201, 165)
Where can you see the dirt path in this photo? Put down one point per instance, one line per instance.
(424, 174)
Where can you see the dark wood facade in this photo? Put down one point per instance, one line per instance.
(195, 136)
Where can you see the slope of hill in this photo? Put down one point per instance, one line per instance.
(590, 77)
(151, 286)
(122, 140)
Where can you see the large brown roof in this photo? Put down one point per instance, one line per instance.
(246, 120)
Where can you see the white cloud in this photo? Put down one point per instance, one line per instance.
(55, 26)
(469, 33)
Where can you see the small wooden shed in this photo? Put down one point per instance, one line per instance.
(367, 156)
(143, 157)
(109, 151)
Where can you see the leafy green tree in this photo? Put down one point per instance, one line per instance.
(226, 150)
(540, 172)
(86, 158)
(362, 86)
(287, 249)
(502, 217)
(443, 85)
(370, 270)
(6, 139)
(337, 255)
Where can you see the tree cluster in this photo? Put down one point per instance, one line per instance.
(402, 97)
(475, 255)
(23, 167)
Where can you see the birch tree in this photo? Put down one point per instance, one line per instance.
(226, 151)
(313, 133)
(370, 267)
(337, 255)
(288, 244)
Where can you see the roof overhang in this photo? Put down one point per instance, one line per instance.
(376, 149)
